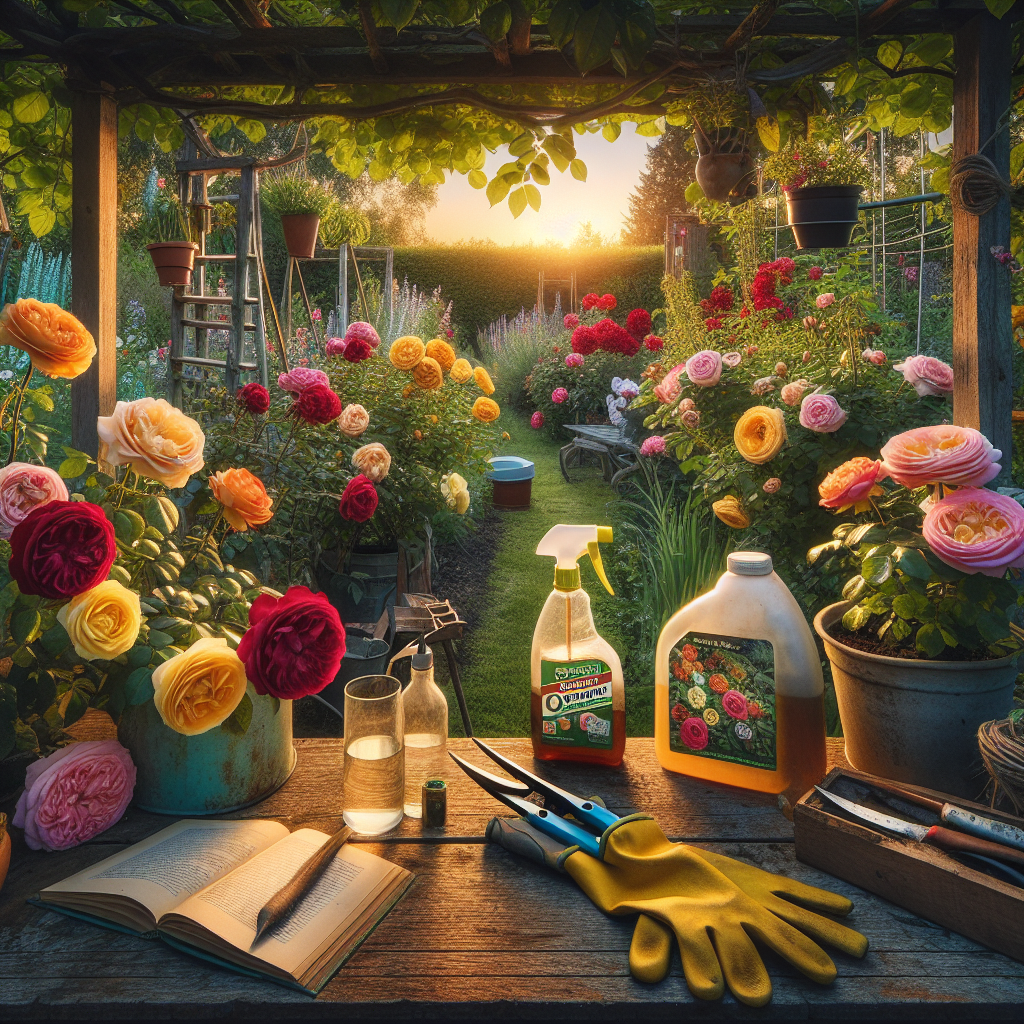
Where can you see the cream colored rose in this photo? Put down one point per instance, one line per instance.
(103, 622)
(155, 439)
(354, 420)
(197, 690)
(456, 492)
(372, 460)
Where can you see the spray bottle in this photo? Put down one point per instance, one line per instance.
(577, 700)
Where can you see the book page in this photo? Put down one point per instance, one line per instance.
(229, 908)
(169, 867)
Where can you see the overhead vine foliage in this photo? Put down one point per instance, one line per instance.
(425, 88)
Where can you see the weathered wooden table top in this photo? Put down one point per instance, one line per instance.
(483, 934)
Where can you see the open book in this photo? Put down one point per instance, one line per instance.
(200, 884)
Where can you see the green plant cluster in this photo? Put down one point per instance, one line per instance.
(294, 193)
(804, 163)
(907, 597)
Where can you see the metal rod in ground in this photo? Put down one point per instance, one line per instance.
(881, 146)
(309, 309)
(359, 281)
(920, 262)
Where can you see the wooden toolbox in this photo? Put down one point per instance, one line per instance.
(917, 876)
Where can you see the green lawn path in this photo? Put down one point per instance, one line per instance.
(496, 655)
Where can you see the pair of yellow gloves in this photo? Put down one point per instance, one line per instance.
(714, 906)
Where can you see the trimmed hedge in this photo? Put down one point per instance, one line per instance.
(487, 282)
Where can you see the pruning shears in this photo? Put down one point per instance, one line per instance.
(557, 802)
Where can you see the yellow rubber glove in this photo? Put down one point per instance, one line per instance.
(713, 919)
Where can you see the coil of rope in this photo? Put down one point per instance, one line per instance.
(1002, 749)
(976, 186)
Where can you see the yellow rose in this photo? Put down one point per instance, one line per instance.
(760, 433)
(155, 439)
(103, 622)
(196, 691)
(456, 492)
(442, 352)
(56, 341)
(486, 410)
(427, 374)
(406, 352)
(711, 716)
(483, 380)
(730, 511)
(461, 371)
(354, 420)
(408, 390)
(372, 460)
(245, 499)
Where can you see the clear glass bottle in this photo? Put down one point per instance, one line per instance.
(426, 730)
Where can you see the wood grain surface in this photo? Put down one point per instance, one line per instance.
(483, 934)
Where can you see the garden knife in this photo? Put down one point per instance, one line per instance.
(944, 838)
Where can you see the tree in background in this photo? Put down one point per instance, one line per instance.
(660, 192)
(397, 211)
(588, 237)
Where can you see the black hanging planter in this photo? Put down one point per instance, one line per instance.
(823, 216)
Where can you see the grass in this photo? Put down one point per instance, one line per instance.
(496, 656)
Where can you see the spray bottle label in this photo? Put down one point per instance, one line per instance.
(721, 699)
(576, 703)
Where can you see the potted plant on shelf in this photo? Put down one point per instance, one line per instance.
(924, 647)
(300, 202)
(822, 182)
(173, 252)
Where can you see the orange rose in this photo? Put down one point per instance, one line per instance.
(486, 410)
(730, 510)
(427, 374)
(373, 460)
(56, 342)
(461, 371)
(442, 352)
(483, 380)
(406, 352)
(760, 434)
(245, 499)
(155, 439)
(718, 683)
(853, 483)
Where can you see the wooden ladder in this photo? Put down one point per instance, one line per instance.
(247, 314)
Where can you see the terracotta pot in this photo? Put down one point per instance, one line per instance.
(823, 216)
(300, 231)
(174, 262)
(915, 721)
(725, 177)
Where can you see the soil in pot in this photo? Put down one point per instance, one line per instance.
(872, 645)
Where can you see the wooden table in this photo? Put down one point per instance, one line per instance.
(482, 934)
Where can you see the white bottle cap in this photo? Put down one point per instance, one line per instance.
(750, 563)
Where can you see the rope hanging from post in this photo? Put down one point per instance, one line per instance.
(976, 186)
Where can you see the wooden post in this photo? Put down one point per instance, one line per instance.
(982, 328)
(94, 257)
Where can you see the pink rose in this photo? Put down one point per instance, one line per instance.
(336, 346)
(732, 359)
(571, 321)
(874, 355)
(771, 485)
(537, 420)
(763, 385)
(734, 704)
(792, 393)
(653, 446)
(301, 378)
(574, 360)
(945, 453)
(976, 530)
(694, 733)
(781, 369)
(23, 488)
(364, 332)
(927, 376)
(821, 413)
(824, 301)
(704, 368)
(75, 794)
(559, 395)
(686, 405)
(691, 419)
(670, 389)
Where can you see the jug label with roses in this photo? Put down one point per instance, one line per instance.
(721, 699)
(576, 703)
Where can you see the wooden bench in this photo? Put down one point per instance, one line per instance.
(616, 452)
(484, 935)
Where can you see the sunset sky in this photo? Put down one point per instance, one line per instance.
(463, 213)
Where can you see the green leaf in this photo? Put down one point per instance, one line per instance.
(41, 221)
(77, 705)
(855, 618)
(532, 196)
(74, 465)
(929, 641)
(162, 514)
(913, 563)
(855, 587)
(522, 144)
(497, 190)
(992, 626)
(30, 107)
(999, 7)
(769, 134)
(578, 169)
(8, 718)
(593, 38)
(562, 22)
(129, 526)
(876, 570)
(496, 20)
(398, 13)
(611, 131)
(138, 687)
(636, 33)
(539, 173)
(693, 193)
(241, 718)
(477, 179)
(25, 625)
(517, 201)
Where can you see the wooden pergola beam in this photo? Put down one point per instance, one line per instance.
(94, 257)
(982, 327)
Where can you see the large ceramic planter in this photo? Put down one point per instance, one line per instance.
(915, 721)
(214, 772)
(174, 262)
(300, 231)
(823, 216)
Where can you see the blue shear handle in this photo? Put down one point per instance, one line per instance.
(594, 814)
(564, 831)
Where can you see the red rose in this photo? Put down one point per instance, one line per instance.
(357, 350)
(62, 549)
(590, 300)
(638, 323)
(689, 652)
(584, 340)
(815, 273)
(255, 398)
(294, 644)
(607, 301)
(317, 404)
(359, 499)
(735, 704)
(653, 343)
(679, 712)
